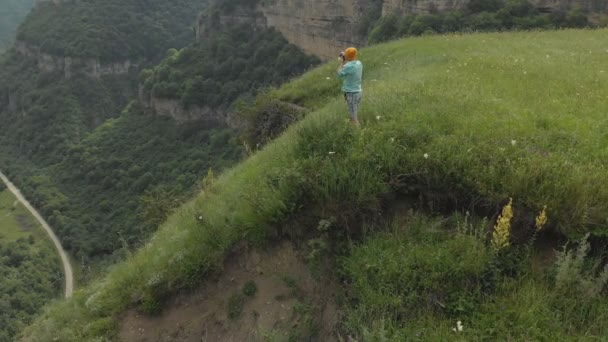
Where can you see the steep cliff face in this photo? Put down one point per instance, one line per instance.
(319, 27)
(69, 65)
(324, 27)
(421, 6)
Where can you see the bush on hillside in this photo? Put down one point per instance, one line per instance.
(268, 117)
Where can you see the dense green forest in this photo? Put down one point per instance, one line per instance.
(12, 13)
(229, 64)
(112, 188)
(111, 29)
(480, 15)
(29, 267)
(105, 177)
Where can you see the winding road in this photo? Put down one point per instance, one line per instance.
(67, 267)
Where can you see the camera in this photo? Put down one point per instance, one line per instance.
(342, 55)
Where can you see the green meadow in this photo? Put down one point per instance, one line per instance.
(453, 123)
(15, 220)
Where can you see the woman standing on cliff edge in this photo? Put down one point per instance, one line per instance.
(351, 71)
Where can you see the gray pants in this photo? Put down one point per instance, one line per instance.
(352, 101)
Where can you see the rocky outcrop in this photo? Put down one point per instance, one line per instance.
(319, 27)
(70, 65)
(323, 28)
(174, 109)
(421, 6)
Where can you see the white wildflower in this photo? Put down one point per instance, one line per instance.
(426, 156)
(392, 139)
(513, 142)
(459, 325)
(332, 152)
(328, 78)
(200, 217)
(378, 117)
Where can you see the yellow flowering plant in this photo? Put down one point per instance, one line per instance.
(502, 229)
(541, 219)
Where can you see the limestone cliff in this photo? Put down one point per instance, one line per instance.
(69, 65)
(319, 27)
(324, 27)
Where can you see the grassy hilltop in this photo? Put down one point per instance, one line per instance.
(455, 122)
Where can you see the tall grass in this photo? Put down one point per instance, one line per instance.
(425, 280)
(517, 115)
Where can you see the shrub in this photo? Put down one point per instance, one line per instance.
(267, 118)
(574, 276)
(385, 29)
(235, 305)
(484, 21)
(250, 289)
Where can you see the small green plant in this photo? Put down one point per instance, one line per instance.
(293, 286)
(250, 289)
(150, 306)
(306, 328)
(235, 305)
(576, 275)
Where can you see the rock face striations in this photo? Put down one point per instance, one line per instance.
(319, 27)
(69, 65)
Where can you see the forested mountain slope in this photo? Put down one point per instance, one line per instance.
(104, 174)
(46, 111)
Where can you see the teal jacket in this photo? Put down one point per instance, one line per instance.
(351, 73)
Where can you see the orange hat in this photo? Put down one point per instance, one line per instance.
(350, 54)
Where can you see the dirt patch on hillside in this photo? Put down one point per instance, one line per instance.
(288, 304)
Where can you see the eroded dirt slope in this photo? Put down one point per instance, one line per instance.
(288, 304)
